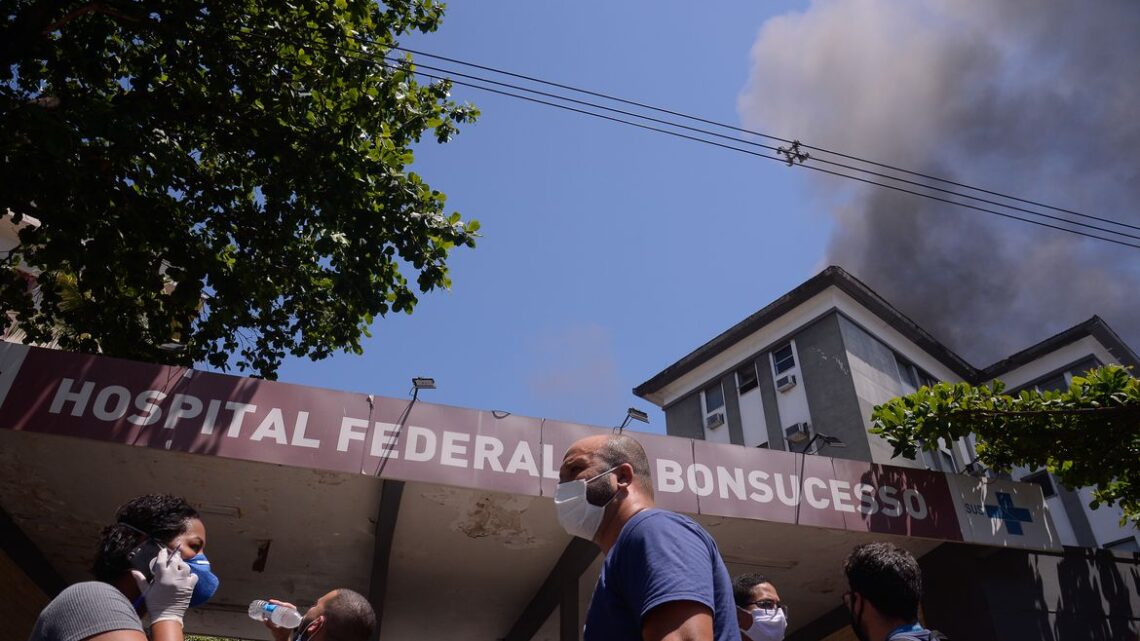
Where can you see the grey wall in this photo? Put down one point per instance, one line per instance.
(1077, 595)
(684, 418)
(771, 406)
(732, 408)
(832, 402)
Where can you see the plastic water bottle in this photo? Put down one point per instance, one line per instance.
(281, 616)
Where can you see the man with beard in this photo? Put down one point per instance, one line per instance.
(662, 578)
(340, 615)
(884, 588)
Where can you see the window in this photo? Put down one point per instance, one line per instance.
(746, 379)
(713, 399)
(1059, 381)
(912, 375)
(906, 372)
(783, 359)
(947, 461)
(1127, 544)
(1043, 479)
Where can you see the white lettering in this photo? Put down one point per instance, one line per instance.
(239, 410)
(763, 494)
(548, 469)
(730, 481)
(891, 505)
(416, 436)
(811, 483)
(211, 417)
(841, 496)
(385, 436)
(148, 402)
(273, 426)
(100, 408)
(299, 438)
(867, 502)
(63, 394)
(452, 448)
(349, 432)
(789, 498)
(522, 459)
(669, 476)
(703, 486)
(488, 449)
(915, 504)
(183, 406)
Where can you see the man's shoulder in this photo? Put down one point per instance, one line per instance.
(655, 523)
(657, 517)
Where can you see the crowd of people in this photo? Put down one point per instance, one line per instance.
(662, 578)
(150, 563)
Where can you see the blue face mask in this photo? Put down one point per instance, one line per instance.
(207, 581)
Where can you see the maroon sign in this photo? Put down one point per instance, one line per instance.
(55, 392)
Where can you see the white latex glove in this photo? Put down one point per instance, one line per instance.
(168, 595)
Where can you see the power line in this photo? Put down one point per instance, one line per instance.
(756, 133)
(401, 65)
(769, 147)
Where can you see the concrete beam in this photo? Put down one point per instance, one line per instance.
(390, 496)
(28, 557)
(559, 588)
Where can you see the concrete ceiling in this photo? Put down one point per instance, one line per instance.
(462, 561)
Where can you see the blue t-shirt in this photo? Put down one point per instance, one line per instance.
(660, 556)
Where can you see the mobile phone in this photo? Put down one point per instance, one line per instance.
(142, 556)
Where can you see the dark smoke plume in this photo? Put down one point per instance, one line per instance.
(1037, 99)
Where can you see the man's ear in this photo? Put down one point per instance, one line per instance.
(315, 626)
(624, 475)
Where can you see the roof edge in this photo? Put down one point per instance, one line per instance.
(831, 276)
(1095, 327)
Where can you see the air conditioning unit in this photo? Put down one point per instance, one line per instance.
(713, 421)
(785, 383)
(797, 432)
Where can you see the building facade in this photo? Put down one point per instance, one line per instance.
(815, 362)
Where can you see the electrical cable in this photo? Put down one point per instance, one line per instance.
(402, 66)
(769, 147)
(748, 131)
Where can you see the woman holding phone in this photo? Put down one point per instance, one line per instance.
(150, 561)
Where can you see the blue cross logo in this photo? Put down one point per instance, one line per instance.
(1012, 516)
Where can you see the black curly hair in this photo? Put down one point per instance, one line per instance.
(160, 516)
(888, 576)
(742, 587)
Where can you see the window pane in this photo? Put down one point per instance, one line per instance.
(746, 378)
(1054, 384)
(714, 398)
(947, 461)
(783, 359)
(1041, 478)
(1081, 368)
(906, 372)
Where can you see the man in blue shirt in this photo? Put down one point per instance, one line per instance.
(662, 578)
(885, 588)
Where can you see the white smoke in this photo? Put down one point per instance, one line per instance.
(1035, 99)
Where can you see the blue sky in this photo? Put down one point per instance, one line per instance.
(608, 252)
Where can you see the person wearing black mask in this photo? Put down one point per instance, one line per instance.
(151, 561)
(885, 587)
(340, 615)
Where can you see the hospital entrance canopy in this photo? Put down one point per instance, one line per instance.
(441, 515)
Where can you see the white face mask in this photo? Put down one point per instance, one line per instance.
(578, 516)
(767, 626)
